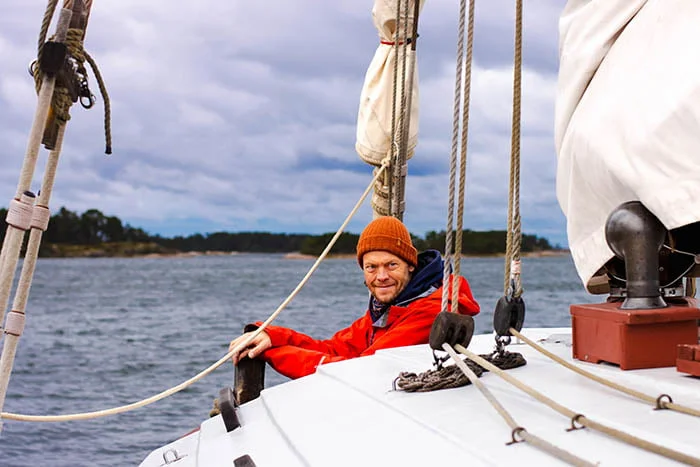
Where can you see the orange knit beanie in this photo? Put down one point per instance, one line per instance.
(387, 234)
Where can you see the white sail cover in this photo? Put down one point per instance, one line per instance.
(374, 117)
(627, 124)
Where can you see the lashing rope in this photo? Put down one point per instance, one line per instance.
(660, 402)
(579, 420)
(518, 431)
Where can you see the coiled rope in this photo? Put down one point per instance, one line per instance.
(663, 401)
(222, 360)
(517, 430)
(579, 420)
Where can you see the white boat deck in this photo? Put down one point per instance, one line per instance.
(346, 414)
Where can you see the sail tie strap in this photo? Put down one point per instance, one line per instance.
(658, 402)
(579, 419)
(518, 431)
(407, 41)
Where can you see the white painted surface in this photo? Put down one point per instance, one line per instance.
(346, 414)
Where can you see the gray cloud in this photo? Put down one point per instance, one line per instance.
(241, 115)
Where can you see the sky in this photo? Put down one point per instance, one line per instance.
(240, 116)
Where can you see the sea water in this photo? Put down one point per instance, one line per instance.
(102, 333)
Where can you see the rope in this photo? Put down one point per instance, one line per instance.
(62, 101)
(513, 235)
(45, 22)
(105, 99)
(658, 402)
(580, 419)
(463, 155)
(445, 377)
(394, 148)
(453, 155)
(400, 155)
(222, 360)
(517, 430)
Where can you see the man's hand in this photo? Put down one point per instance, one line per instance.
(257, 346)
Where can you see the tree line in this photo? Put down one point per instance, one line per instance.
(93, 228)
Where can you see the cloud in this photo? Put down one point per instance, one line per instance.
(241, 115)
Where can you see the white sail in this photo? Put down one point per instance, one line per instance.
(627, 117)
(374, 120)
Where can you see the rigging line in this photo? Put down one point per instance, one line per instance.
(513, 234)
(656, 401)
(222, 360)
(463, 154)
(45, 22)
(400, 157)
(453, 154)
(517, 430)
(394, 146)
(580, 419)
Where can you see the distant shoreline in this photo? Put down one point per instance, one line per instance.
(530, 254)
(96, 253)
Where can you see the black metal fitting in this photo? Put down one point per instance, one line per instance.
(635, 235)
(53, 55)
(67, 78)
(227, 407)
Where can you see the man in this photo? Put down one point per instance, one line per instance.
(406, 295)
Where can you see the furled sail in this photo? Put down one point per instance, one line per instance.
(374, 121)
(627, 124)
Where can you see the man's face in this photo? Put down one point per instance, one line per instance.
(386, 275)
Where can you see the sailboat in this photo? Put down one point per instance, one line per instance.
(603, 392)
(612, 409)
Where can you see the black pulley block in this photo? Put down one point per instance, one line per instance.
(451, 328)
(509, 313)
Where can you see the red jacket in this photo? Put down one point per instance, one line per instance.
(294, 354)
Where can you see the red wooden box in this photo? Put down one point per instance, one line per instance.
(688, 360)
(633, 339)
